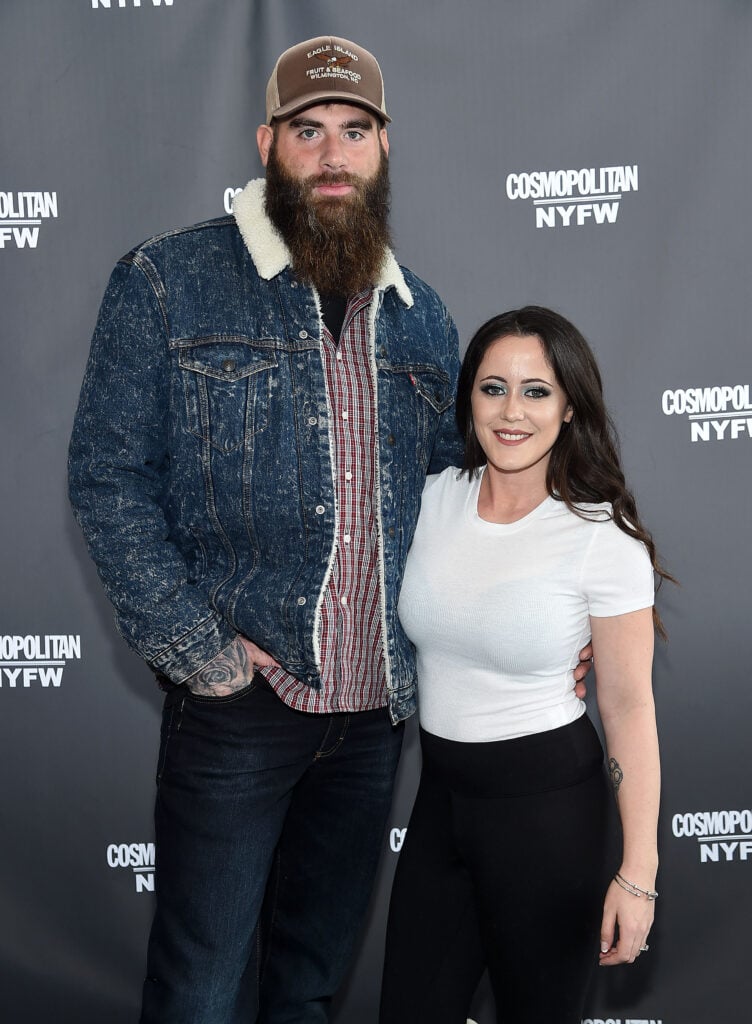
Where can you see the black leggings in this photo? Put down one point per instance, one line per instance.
(503, 867)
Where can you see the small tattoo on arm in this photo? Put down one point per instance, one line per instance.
(225, 674)
(617, 775)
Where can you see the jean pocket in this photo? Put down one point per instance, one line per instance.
(229, 698)
(172, 713)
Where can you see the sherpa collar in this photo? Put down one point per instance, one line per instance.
(269, 252)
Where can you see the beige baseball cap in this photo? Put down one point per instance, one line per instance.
(326, 69)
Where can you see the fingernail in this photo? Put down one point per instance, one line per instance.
(604, 947)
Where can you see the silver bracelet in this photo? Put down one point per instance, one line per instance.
(634, 890)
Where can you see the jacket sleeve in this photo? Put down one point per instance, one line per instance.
(448, 446)
(118, 476)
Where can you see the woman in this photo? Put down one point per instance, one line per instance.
(520, 557)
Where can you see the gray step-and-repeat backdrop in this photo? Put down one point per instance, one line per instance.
(590, 155)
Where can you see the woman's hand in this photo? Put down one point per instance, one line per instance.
(581, 670)
(630, 916)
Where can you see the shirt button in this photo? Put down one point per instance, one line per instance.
(320, 510)
(345, 415)
(301, 600)
(343, 600)
(339, 357)
(312, 421)
(303, 335)
(348, 476)
(347, 538)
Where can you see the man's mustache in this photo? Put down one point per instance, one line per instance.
(343, 178)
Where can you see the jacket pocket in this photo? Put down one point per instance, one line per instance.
(432, 385)
(227, 384)
(428, 384)
(422, 393)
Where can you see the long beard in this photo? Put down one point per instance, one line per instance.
(337, 244)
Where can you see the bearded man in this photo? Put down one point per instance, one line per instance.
(264, 397)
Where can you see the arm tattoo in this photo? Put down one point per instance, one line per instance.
(228, 672)
(617, 775)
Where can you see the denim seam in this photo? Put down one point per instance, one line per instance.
(211, 509)
(149, 271)
(176, 712)
(321, 754)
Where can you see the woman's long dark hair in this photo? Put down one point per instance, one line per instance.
(585, 465)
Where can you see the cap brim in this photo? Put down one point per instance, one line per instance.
(314, 98)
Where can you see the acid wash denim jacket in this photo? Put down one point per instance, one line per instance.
(201, 458)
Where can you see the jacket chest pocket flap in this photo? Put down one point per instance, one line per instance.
(227, 390)
(432, 385)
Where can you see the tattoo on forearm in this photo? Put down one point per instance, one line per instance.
(617, 775)
(229, 671)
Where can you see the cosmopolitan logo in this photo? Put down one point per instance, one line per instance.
(139, 857)
(21, 216)
(107, 4)
(618, 1020)
(720, 835)
(573, 198)
(27, 660)
(714, 414)
(230, 194)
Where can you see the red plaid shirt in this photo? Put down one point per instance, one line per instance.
(350, 639)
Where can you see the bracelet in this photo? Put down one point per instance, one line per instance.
(634, 890)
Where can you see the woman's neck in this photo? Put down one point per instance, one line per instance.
(507, 497)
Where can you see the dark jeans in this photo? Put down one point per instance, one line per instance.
(258, 804)
(503, 867)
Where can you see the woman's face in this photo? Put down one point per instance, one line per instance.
(518, 408)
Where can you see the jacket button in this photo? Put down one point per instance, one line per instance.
(303, 335)
(301, 600)
(312, 421)
(391, 531)
(320, 510)
(228, 365)
(391, 439)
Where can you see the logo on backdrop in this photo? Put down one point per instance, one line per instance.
(721, 836)
(21, 216)
(714, 414)
(396, 839)
(27, 661)
(572, 198)
(230, 194)
(107, 4)
(139, 857)
(618, 1020)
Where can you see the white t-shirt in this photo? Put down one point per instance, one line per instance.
(499, 612)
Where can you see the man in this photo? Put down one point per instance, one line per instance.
(264, 397)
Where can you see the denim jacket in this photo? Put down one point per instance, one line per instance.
(201, 457)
